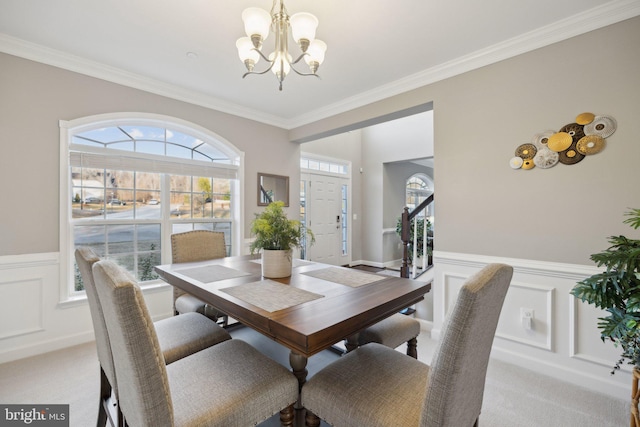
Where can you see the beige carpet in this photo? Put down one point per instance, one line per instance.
(513, 396)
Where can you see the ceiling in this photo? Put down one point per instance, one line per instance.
(375, 49)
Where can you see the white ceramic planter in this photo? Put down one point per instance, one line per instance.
(276, 263)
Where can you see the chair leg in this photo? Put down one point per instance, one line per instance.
(477, 423)
(105, 393)
(412, 348)
(224, 320)
(121, 420)
(287, 416)
(311, 419)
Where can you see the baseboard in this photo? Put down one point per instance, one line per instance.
(367, 263)
(425, 325)
(45, 347)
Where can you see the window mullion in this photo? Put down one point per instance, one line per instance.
(166, 227)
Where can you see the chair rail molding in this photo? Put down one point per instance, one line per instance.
(563, 340)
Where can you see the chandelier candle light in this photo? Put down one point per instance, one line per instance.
(258, 23)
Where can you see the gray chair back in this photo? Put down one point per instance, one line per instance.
(193, 246)
(459, 365)
(85, 258)
(145, 398)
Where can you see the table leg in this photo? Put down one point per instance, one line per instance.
(298, 364)
(351, 343)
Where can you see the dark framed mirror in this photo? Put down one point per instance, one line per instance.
(272, 188)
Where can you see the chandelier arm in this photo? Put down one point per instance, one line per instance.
(262, 55)
(259, 72)
(299, 58)
(304, 74)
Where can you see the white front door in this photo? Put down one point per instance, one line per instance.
(324, 209)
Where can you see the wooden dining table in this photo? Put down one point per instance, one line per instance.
(317, 306)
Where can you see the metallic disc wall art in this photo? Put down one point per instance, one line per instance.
(541, 139)
(585, 118)
(526, 151)
(603, 126)
(516, 162)
(591, 144)
(575, 130)
(560, 141)
(570, 156)
(546, 158)
(569, 145)
(528, 164)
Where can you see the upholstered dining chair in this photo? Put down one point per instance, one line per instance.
(229, 384)
(376, 386)
(391, 332)
(192, 246)
(178, 336)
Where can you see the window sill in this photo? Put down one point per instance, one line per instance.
(80, 300)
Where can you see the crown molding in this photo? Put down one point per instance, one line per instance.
(584, 22)
(56, 58)
(592, 19)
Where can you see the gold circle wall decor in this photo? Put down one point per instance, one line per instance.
(590, 144)
(560, 141)
(585, 118)
(569, 145)
(528, 164)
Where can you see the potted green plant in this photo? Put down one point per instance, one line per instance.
(617, 290)
(276, 236)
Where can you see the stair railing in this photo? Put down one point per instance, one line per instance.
(427, 241)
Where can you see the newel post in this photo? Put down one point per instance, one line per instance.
(404, 236)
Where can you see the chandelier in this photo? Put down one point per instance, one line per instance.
(257, 24)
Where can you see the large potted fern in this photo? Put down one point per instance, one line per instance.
(617, 291)
(276, 236)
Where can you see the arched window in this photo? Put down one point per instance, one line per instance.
(418, 188)
(130, 181)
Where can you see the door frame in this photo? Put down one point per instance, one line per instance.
(307, 174)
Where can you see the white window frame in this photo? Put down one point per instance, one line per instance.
(424, 178)
(68, 297)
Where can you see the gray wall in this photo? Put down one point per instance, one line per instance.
(34, 97)
(562, 214)
(403, 139)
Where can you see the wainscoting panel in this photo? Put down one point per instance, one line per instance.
(32, 318)
(23, 316)
(452, 285)
(585, 337)
(563, 341)
(538, 299)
